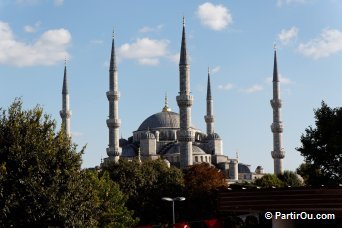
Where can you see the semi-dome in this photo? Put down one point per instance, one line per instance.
(195, 150)
(160, 120)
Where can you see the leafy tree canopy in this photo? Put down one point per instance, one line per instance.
(41, 181)
(322, 147)
(145, 184)
(268, 181)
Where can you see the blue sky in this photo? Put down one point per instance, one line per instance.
(234, 38)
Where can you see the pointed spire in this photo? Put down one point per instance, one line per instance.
(65, 80)
(166, 106)
(113, 57)
(275, 68)
(183, 55)
(208, 86)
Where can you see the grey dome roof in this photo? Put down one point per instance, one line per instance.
(195, 150)
(243, 168)
(160, 120)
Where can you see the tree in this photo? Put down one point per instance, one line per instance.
(290, 178)
(109, 201)
(322, 146)
(41, 181)
(202, 181)
(311, 174)
(145, 184)
(268, 181)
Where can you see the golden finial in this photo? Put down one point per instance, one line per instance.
(166, 107)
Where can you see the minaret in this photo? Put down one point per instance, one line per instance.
(184, 101)
(278, 152)
(209, 118)
(65, 113)
(113, 122)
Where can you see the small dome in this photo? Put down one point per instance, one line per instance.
(148, 135)
(128, 151)
(259, 170)
(214, 136)
(243, 168)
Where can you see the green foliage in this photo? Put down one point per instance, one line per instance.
(41, 181)
(268, 181)
(290, 178)
(145, 184)
(322, 147)
(108, 201)
(311, 174)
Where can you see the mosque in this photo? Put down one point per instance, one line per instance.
(170, 136)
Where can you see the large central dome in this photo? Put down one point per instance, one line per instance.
(161, 120)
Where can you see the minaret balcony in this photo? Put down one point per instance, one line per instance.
(115, 123)
(65, 114)
(184, 100)
(209, 119)
(112, 151)
(277, 127)
(276, 103)
(186, 136)
(278, 154)
(113, 95)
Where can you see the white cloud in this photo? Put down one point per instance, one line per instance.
(253, 89)
(146, 29)
(58, 2)
(216, 17)
(329, 42)
(285, 36)
(287, 2)
(283, 80)
(145, 50)
(227, 86)
(48, 49)
(149, 61)
(215, 69)
(32, 29)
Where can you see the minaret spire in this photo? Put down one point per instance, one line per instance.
(65, 113)
(183, 55)
(184, 101)
(278, 152)
(209, 118)
(113, 95)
